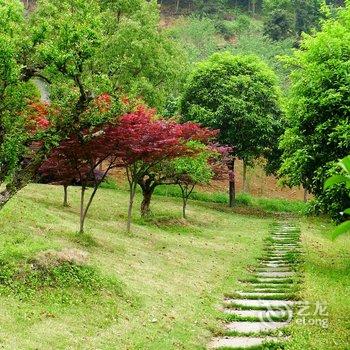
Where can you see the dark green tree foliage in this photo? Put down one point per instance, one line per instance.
(307, 15)
(291, 17)
(279, 24)
(239, 96)
(83, 49)
(140, 58)
(319, 113)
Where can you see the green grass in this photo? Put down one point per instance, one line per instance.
(266, 204)
(326, 280)
(157, 288)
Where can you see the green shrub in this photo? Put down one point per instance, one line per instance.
(228, 29)
(242, 199)
(197, 36)
(110, 183)
(24, 279)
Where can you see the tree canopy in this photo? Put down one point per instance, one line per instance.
(239, 96)
(318, 112)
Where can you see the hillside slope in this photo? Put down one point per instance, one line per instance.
(155, 289)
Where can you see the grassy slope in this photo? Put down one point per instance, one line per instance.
(171, 272)
(327, 280)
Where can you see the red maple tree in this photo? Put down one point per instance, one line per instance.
(75, 162)
(143, 141)
(137, 141)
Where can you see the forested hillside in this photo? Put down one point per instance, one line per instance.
(142, 146)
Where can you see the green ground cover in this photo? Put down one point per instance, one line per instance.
(155, 289)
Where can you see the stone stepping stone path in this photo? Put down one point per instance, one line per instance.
(256, 314)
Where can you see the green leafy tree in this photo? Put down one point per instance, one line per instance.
(279, 24)
(83, 50)
(17, 68)
(239, 96)
(188, 172)
(343, 178)
(292, 17)
(141, 58)
(318, 114)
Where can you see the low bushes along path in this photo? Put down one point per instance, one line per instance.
(257, 315)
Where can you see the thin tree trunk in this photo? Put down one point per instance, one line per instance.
(65, 195)
(232, 184)
(146, 201)
(184, 205)
(244, 176)
(253, 7)
(177, 6)
(186, 191)
(131, 202)
(82, 211)
(305, 195)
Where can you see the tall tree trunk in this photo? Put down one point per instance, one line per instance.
(184, 205)
(305, 195)
(177, 6)
(131, 202)
(253, 7)
(232, 184)
(65, 195)
(82, 211)
(146, 201)
(244, 177)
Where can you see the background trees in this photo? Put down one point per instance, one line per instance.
(239, 96)
(141, 59)
(73, 45)
(342, 178)
(16, 68)
(318, 113)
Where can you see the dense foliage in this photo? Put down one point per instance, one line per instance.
(318, 112)
(342, 178)
(239, 96)
(81, 50)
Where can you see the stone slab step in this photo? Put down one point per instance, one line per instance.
(272, 290)
(273, 265)
(275, 274)
(273, 280)
(280, 304)
(239, 342)
(260, 294)
(273, 269)
(244, 327)
(261, 314)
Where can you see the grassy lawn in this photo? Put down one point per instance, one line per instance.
(158, 288)
(155, 289)
(327, 280)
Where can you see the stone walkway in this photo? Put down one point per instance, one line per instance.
(257, 314)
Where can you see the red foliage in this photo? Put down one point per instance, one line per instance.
(125, 100)
(193, 131)
(38, 117)
(220, 162)
(139, 136)
(103, 102)
(75, 159)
